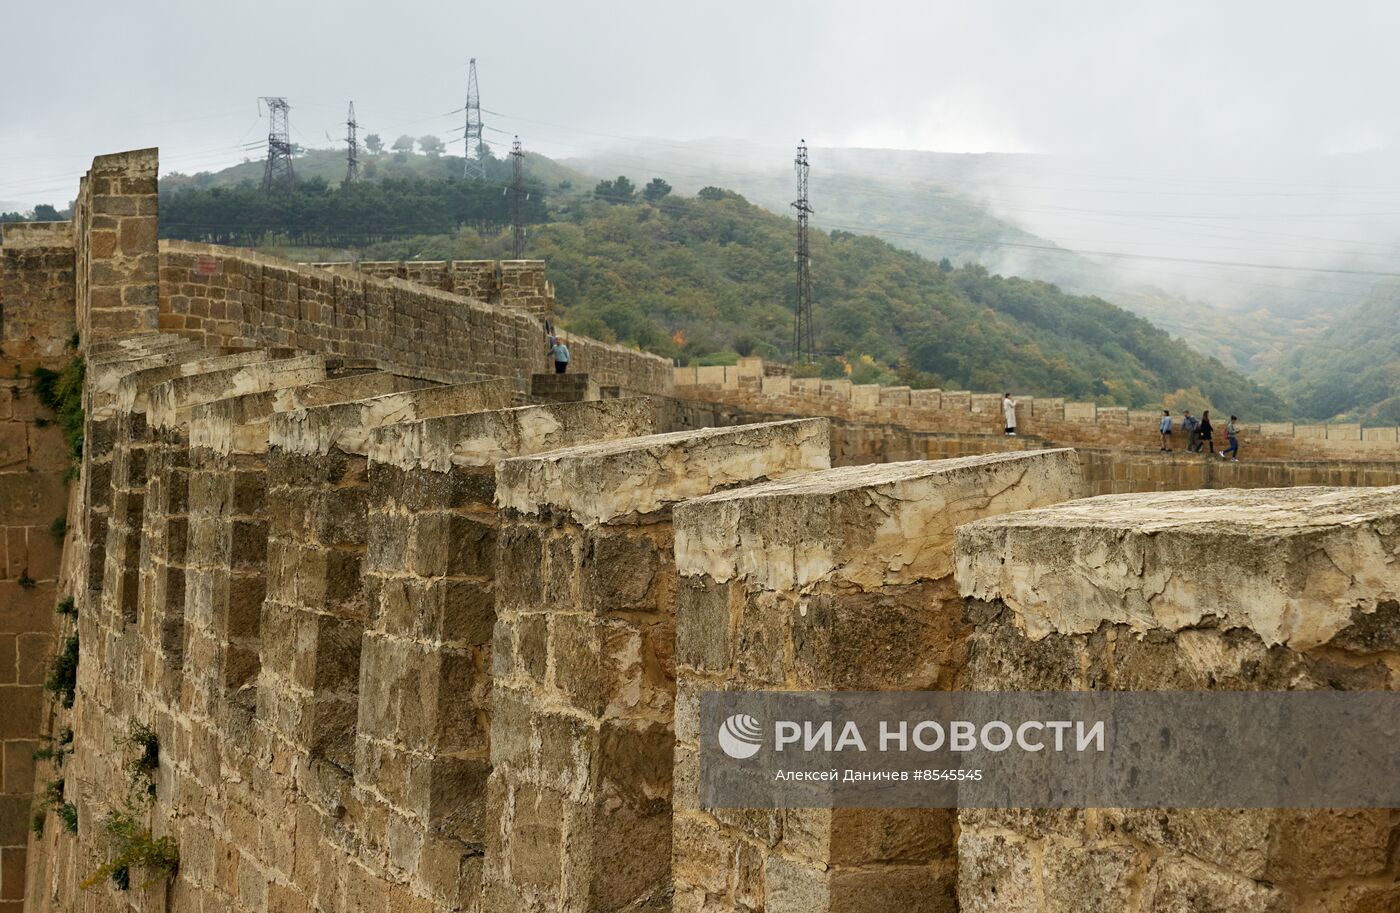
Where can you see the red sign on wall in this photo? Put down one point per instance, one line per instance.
(208, 266)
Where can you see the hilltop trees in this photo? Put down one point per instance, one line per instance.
(656, 190)
(619, 191)
(432, 145)
(313, 212)
(374, 144)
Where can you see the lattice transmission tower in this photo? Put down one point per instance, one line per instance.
(803, 349)
(517, 199)
(475, 153)
(278, 173)
(352, 147)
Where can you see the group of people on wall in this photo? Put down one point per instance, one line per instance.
(1200, 434)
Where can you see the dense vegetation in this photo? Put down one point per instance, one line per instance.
(1351, 372)
(703, 279)
(314, 212)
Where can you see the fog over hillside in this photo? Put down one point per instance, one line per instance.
(1244, 258)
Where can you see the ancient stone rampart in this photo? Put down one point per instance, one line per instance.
(751, 385)
(363, 626)
(220, 296)
(519, 284)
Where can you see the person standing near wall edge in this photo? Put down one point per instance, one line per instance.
(560, 351)
(1008, 411)
(1204, 433)
(1232, 434)
(1165, 428)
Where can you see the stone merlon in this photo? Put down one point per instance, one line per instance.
(347, 426)
(601, 482)
(483, 438)
(869, 526)
(1296, 566)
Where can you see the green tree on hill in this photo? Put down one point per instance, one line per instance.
(655, 190)
(374, 144)
(618, 191)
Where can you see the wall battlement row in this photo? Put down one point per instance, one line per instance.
(519, 284)
(757, 385)
(409, 637)
(407, 645)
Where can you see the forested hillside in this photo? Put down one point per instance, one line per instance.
(703, 278)
(1352, 371)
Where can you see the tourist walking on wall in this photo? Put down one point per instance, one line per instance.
(1008, 411)
(560, 351)
(1204, 432)
(1190, 425)
(1232, 434)
(1166, 429)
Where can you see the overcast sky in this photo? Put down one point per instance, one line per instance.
(1162, 79)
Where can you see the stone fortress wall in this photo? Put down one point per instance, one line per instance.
(753, 385)
(410, 637)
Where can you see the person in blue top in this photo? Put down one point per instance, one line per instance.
(1232, 434)
(1166, 429)
(560, 351)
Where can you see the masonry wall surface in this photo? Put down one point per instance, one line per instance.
(834, 581)
(750, 386)
(1278, 589)
(583, 660)
(409, 645)
(226, 296)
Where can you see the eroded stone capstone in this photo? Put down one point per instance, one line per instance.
(1291, 565)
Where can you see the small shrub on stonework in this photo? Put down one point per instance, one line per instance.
(26, 581)
(63, 671)
(56, 750)
(62, 393)
(52, 798)
(131, 846)
(67, 607)
(59, 528)
(141, 770)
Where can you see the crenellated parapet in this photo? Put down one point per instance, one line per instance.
(407, 630)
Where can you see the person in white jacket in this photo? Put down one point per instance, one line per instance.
(1008, 410)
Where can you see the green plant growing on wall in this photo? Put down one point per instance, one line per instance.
(68, 814)
(26, 581)
(59, 528)
(131, 846)
(63, 671)
(62, 392)
(141, 769)
(67, 607)
(52, 798)
(56, 750)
